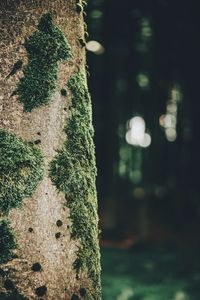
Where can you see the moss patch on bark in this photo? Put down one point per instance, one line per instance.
(46, 47)
(11, 292)
(73, 171)
(12, 296)
(21, 169)
(7, 242)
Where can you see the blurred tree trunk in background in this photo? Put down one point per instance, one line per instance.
(48, 221)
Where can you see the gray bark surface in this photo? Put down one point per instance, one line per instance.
(41, 211)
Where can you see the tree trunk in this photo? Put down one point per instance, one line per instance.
(48, 210)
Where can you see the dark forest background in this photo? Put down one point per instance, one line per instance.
(148, 59)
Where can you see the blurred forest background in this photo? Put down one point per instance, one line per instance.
(143, 58)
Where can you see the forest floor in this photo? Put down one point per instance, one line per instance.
(150, 275)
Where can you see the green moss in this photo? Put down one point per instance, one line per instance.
(7, 242)
(12, 296)
(45, 47)
(12, 292)
(73, 171)
(11, 289)
(21, 169)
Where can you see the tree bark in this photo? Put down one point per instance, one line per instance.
(48, 224)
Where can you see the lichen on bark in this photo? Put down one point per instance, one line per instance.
(46, 47)
(21, 169)
(73, 171)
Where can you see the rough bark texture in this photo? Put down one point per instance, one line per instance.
(43, 255)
